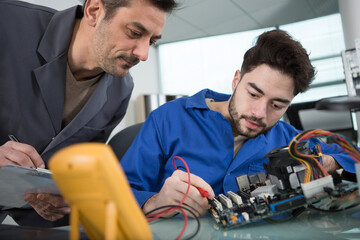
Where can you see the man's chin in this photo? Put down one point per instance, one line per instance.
(120, 74)
(251, 133)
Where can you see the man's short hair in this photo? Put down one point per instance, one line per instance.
(280, 51)
(112, 5)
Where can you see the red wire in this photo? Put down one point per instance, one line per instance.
(185, 224)
(161, 213)
(188, 172)
(157, 215)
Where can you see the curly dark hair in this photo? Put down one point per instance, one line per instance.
(280, 51)
(112, 5)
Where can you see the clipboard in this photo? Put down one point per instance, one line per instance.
(16, 181)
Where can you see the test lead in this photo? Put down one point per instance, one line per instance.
(203, 192)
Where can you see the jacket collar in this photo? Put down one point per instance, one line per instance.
(198, 100)
(59, 28)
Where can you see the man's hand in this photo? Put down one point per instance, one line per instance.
(20, 154)
(330, 163)
(50, 207)
(174, 189)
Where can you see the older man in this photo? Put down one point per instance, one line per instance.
(64, 79)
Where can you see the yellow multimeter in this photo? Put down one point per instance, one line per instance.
(91, 180)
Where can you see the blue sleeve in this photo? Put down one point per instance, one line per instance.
(143, 162)
(341, 157)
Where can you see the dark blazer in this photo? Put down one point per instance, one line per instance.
(33, 55)
(34, 42)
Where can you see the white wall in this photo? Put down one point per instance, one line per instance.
(146, 79)
(56, 4)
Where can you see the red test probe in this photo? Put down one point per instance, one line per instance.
(203, 192)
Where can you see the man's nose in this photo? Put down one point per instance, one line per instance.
(260, 110)
(141, 50)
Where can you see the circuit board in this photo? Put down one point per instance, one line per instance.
(244, 207)
(280, 191)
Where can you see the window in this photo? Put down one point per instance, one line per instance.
(324, 41)
(186, 67)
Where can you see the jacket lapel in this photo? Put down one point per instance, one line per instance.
(50, 76)
(51, 80)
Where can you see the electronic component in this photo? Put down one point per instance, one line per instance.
(225, 201)
(284, 190)
(269, 189)
(289, 203)
(216, 204)
(283, 170)
(317, 186)
(243, 182)
(268, 201)
(235, 198)
(258, 178)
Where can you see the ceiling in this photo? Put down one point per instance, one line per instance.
(203, 18)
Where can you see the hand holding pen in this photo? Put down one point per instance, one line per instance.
(14, 152)
(48, 206)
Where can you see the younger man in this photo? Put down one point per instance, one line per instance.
(221, 136)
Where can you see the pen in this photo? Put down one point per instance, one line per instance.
(42, 170)
(13, 138)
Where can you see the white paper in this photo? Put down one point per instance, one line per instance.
(16, 181)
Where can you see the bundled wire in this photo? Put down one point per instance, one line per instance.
(170, 208)
(313, 162)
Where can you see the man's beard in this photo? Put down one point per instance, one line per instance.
(110, 64)
(121, 71)
(248, 132)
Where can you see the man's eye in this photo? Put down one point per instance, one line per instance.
(252, 94)
(278, 107)
(152, 42)
(135, 34)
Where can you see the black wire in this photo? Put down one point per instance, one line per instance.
(178, 167)
(187, 209)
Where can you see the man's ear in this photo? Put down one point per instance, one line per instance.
(92, 11)
(236, 79)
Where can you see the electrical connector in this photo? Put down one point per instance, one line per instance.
(203, 192)
(317, 186)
